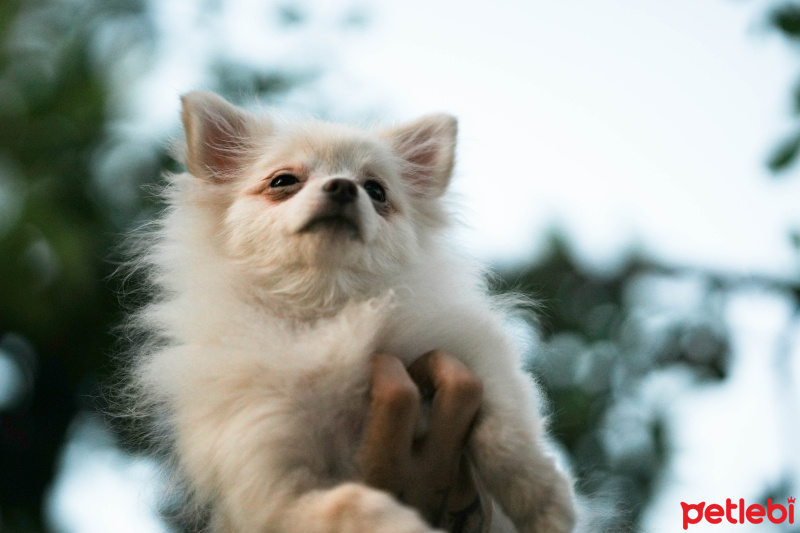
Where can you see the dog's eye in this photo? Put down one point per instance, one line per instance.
(284, 180)
(375, 191)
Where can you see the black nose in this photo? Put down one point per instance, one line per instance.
(341, 190)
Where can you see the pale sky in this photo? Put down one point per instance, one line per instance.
(639, 124)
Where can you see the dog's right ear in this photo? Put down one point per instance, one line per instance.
(428, 147)
(217, 136)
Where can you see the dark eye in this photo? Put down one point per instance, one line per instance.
(284, 180)
(375, 191)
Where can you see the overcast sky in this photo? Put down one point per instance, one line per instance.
(628, 124)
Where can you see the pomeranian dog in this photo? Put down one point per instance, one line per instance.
(288, 255)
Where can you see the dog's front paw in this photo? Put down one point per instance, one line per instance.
(355, 508)
(553, 513)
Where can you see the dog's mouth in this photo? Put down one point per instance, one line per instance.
(336, 223)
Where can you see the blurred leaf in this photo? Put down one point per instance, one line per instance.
(356, 17)
(794, 238)
(291, 15)
(786, 18)
(575, 414)
(796, 99)
(785, 154)
(236, 80)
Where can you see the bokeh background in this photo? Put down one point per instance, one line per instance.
(631, 165)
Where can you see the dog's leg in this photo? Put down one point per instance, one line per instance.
(345, 508)
(352, 508)
(517, 471)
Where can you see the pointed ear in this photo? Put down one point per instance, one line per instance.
(427, 146)
(217, 135)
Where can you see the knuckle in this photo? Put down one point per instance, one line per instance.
(398, 396)
(465, 386)
(472, 392)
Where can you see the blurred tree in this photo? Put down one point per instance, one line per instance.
(53, 233)
(603, 340)
(601, 345)
(785, 19)
(596, 352)
(59, 223)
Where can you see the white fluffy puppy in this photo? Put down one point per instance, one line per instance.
(288, 255)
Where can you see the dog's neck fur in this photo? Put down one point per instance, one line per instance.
(294, 292)
(309, 294)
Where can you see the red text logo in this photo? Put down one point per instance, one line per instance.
(738, 513)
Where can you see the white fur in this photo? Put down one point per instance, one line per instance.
(259, 334)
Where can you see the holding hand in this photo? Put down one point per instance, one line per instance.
(430, 473)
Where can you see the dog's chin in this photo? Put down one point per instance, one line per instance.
(333, 227)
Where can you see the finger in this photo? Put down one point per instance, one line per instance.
(456, 400)
(420, 372)
(394, 410)
(464, 489)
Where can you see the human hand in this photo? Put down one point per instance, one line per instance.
(429, 472)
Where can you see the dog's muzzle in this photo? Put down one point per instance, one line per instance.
(337, 210)
(340, 191)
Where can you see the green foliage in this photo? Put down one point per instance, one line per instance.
(55, 231)
(237, 80)
(61, 215)
(785, 154)
(786, 19)
(599, 350)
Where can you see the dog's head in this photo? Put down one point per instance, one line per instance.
(317, 197)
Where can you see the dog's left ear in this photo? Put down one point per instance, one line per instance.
(427, 146)
(217, 136)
